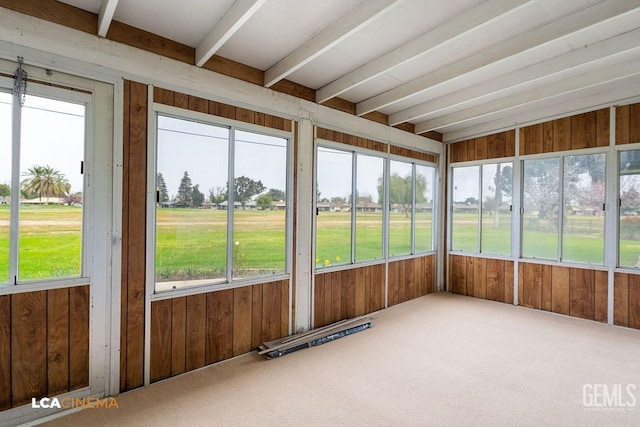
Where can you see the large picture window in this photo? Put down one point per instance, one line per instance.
(563, 199)
(629, 221)
(482, 209)
(41, 186)
(221, 204)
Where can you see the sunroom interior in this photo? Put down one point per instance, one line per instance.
(183, 181)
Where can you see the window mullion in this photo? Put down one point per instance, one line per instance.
(479, 249)
(560, 208)
(413, 208)
(230, 202)
(16, 127)
(354, 201)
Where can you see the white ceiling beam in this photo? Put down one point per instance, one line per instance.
(571, 62)
(611, 72)
(105, 16)
(613, 93)
(359, 17)
(552, 31)
(233, 19)
(458, 25)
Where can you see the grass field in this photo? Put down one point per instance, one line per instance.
(191, 243)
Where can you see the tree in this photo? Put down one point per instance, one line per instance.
(45, 181)
(184, 191)
(400, 191)
(5, 190)
(73, 199)
(276, 194)
(264, 202)
(196, 196)
(217, 195)
(162, 188)
(245, 188)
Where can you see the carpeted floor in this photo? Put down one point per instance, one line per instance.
(438, 360)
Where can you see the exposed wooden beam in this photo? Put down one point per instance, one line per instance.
(612, 71)
(105, 16)
(554, 30)
(234, 18)
(570, 62)
(458, 25)
(595, 98)
(357, 18)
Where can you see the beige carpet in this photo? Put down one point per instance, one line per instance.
(438, 360)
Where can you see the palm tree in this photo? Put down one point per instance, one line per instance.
(45, 181)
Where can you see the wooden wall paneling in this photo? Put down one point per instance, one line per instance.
(318, 301)
(368, 292)
(410, 278)
(163, 96)
(5, 352)
(452, 284)
(470, 276)
(471, 149)
(510, 143)
(560, 289)
(509, 271)
(196, 331)
(348, 298)
(583, 130)
(531, 139)
(328, 299)
(198, 104)
(336, 296)
(421, 271)
(634, 122)
(546, 288)
(256, 316)
(634, 301)
(181, 100)
(222, 110)
(57, 12)
(360, 306)
(284, 308)
(562, 134)
(547, 137)
(271, 306)
(459, 152)
(496, 145)
(235, 69)
(245, 115)
(402, 281)
(178, 335)
(581, 293)
(532, 283)
(601, 296)
(378, 287)
(160, 366)
(521, 284)
(431, 277)
(622, 125)
(57, 341)
(495, 279)
(461, 274)
(136, 238)
(220, 325)
(393, 284)
(621, 299)
(28, 346)
(79, 306)
(602, 127)
(480, 278)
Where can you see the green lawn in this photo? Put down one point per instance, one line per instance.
(191, 243)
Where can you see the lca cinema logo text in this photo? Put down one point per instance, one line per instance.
(609, 396)
(70, 403)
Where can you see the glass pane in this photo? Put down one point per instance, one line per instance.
(401, 208)
(583, 217)
(5, 183)
(464, 219)
(425, 178)
(370, 192)
(630, 208)
(259, 221)
(541, 206)
(51, 152)
(191, 218)
(333, 194)
(496, 208)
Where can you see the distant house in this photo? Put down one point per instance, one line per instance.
(42, 201)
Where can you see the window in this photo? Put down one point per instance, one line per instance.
(350, 207)
(42, 186)
(197, 210)
(563, 201)
(481, 208)
(629, 221)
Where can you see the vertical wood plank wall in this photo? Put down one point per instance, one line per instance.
(354, 292)
(628, 124)
(194, 331)
(481, 277)
(44, 344)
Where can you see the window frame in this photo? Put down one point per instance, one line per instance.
(208, 285)
(65, 92)
(480, 164)
(618, 205)
(387, 158)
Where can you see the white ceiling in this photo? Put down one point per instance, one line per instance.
(461, 67)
